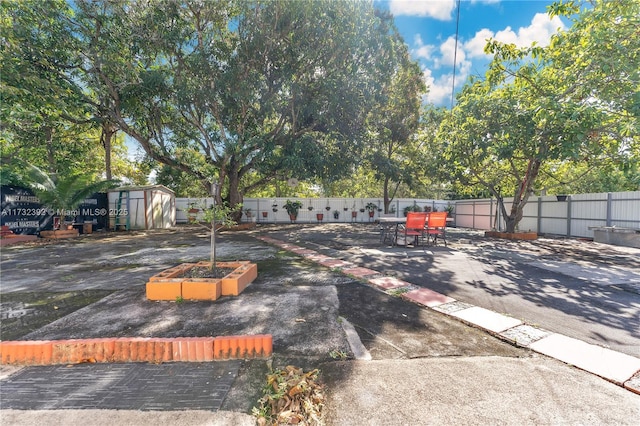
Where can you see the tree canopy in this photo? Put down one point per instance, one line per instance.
(220, 90)
(573, 102)
(246, 94)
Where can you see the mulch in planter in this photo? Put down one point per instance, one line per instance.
(203, 272)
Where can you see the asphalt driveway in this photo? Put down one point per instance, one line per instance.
(309, 310)
(582, 289)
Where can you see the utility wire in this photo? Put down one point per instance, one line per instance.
(455, 53)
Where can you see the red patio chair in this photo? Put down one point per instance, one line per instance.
(436, 227)
(415, 226)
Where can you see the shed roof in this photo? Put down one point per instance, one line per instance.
(142, 188)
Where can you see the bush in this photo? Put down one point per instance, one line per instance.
(412, 208)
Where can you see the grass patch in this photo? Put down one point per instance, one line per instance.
(397, 292)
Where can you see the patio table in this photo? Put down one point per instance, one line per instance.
(389, 228)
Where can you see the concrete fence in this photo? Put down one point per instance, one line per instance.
(575, 216)
(262, 209)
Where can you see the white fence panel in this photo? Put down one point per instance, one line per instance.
(625, 209)
(553, 215)
(574, 216)
(529, 221)
(476, 214)
(586, 211)
(184, 204)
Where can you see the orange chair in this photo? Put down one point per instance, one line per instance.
(415, 226)
(436, 227)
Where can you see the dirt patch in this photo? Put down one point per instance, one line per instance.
(21, 313)
(391, 328)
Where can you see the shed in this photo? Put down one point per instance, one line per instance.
(142, 207)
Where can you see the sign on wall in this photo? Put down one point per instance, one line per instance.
(23, 213)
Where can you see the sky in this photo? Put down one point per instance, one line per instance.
(429, 29)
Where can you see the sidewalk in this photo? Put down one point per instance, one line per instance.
(474, 391)
(427, 367)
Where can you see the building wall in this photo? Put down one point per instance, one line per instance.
(152, 207)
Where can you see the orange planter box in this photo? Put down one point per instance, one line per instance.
(235, 283)
(169, 289)
(201, 289)
(167, 285)
(61, 233)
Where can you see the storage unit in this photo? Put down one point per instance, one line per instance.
(626, 237)
(141, 207)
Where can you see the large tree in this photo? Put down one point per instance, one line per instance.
(34, 95)
(392, 151)
(221, 89)
(47, 116)
(575, 101)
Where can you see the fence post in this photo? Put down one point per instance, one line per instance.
(568, 215)
(473, 209)
(539, 214)
(609, 202)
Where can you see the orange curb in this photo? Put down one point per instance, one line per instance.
(60, 233)
(512, 235)
(135, 349)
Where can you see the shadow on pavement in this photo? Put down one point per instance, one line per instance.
(300, 303)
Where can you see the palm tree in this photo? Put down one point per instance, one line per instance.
(63, 194)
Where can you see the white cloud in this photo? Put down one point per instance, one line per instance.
(425, 52)
(439, 89)
(421, 50)
(441, 9)
(540, 30)
(475, 46)
(447, 49)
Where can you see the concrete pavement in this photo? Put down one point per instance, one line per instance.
(617, 367)
(473, 391)
(581, 289)
(402, 384)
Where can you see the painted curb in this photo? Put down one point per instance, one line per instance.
(135, 349)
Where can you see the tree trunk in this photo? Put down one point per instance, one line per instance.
(108, 131)
(234, 195)
(521, 197)
(511, 223)
(386, 199)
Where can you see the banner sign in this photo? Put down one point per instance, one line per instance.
(23, 213)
